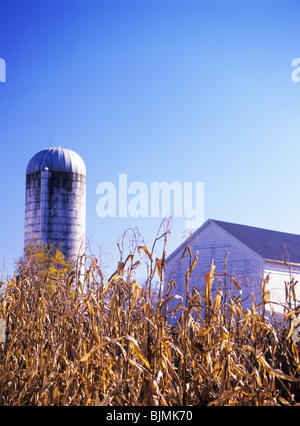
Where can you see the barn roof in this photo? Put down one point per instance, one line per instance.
(272, 245)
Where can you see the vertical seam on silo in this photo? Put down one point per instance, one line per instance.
(43, 162)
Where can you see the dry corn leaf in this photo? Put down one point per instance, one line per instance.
(146, 250)
(266, 365)
(217, 301)
(209, 279)
(265, 294)
(136, 349)
(136, 292)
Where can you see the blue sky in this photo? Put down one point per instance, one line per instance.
(163, 90)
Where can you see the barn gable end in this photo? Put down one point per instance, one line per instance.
(251, 253)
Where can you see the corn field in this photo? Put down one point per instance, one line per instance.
(107, 341)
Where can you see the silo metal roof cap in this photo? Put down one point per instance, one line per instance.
(57, 159)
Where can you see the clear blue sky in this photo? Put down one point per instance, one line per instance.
(174, 90)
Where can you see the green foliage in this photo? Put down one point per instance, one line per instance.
(45, 262)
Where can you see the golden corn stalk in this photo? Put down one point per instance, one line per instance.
(108, 341)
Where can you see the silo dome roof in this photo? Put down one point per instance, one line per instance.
(56, 159)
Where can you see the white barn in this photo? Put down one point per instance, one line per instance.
(252, 254)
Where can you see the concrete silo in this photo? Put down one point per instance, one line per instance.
(56, 200)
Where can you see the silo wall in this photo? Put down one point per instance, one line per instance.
(56, 210)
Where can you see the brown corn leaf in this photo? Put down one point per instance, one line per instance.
(209, 279)
(146, 250)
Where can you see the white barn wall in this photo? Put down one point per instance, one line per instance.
(213, 242)
(279, 273)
